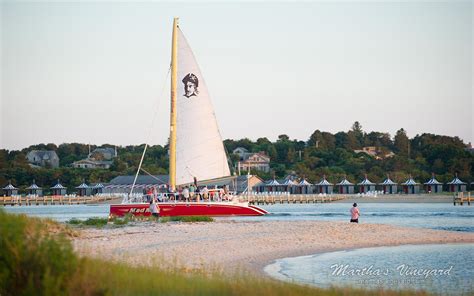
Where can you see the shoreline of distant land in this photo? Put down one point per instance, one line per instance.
(235, 246)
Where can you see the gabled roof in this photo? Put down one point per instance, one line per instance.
(10, 187)
(433, 181)
(410, 182)
(97, 186)
(44, 154)
(324, 182)
(344, 182)
(83, 186)
(240, 149)
(456, 181)
(388, 181)
(304, 183)
(366, 182)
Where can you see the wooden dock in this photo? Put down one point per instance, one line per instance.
(53, 200)
(291, 198)
(460, 198)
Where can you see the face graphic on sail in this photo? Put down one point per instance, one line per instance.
(191, 84)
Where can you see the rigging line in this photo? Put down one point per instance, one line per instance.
(149, 133)
(154, 177)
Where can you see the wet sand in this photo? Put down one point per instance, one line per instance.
(239, 245)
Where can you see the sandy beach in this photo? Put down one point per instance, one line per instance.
(237, 245)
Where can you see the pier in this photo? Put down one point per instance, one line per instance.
(54, 200)
(265, 199)
(460, 198)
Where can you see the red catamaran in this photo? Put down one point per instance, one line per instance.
(196, 150)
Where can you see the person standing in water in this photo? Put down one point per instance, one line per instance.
(154, 209)
(355, 213)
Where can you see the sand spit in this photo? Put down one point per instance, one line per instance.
(232, 245)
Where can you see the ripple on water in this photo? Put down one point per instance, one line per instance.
(441, 269)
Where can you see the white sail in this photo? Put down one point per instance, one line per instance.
(199, 149)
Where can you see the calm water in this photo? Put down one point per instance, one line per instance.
(441, 269)
(443, 216)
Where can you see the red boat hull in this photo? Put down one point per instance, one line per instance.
(188, 209)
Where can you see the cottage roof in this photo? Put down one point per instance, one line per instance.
(388, 181)
(58, 186)
(33, 187)
(433, 181)
(98, 186)
(273, 182)
(109, 150)
(288, 182)
(242, 149)
(44, 154)
(10, 187)
(410, 182)
(344, 182)
(366, 182)
(324, 182)
(83, 186)
(456, 181)
(304, 183)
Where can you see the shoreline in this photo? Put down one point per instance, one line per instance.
(233, 246)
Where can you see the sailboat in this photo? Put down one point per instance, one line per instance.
(196, 150)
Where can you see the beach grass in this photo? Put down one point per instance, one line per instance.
(37, 258)
(125, 220)
(187, 219)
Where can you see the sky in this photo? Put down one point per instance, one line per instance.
(96, 72)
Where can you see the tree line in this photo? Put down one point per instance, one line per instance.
(323, 153)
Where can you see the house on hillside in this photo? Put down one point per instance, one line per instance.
(375, 152)
(89, 163)
(250, 160)
(43, 158)
(99, 158)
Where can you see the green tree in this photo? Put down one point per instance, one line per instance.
(401, 142)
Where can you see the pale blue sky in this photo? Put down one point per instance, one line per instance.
(93, 72)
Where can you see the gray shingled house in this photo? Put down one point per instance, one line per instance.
(43, 158)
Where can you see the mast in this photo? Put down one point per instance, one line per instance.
(174, 79)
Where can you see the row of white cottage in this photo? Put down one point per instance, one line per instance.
(57, 189)
(388, 186)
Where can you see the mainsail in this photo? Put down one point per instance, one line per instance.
(199, 149)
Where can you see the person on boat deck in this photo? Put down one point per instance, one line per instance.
(355, 213)
(149, 194)
(191, 191)
(191, 84)
(186, 193)
(154, 209)
(205, 193)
